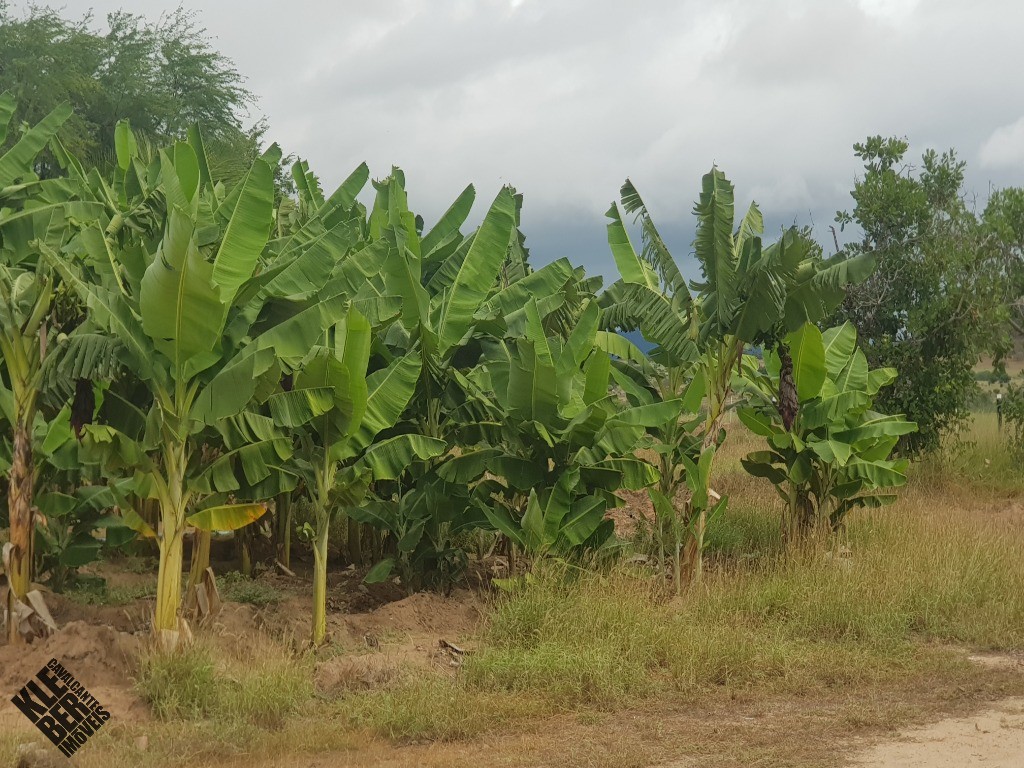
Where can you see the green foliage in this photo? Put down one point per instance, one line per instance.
(834, 455)
(234, 345)
(239, 589)
(463, 301)
(176, 292)
(935, 302)
(34, 214)
(162, 77)
(750, 293)
(564, 445)
(96, 591)
(66, 537)
(1013, 414)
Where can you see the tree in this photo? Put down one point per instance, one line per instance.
(1003, 223)
(934, 304)
(163, 77)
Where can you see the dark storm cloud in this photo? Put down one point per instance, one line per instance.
(565, 99)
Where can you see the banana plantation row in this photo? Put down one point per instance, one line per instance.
(182, 355)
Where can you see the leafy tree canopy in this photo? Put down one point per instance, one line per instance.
(1004, 224)
(162, 76)
(934, 304)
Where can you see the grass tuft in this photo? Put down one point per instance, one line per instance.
(260, 682)
(237, 588)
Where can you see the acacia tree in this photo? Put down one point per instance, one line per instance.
(750, 294)
(1003, 227)
(162, 76)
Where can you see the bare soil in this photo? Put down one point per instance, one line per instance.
(99, 656)
(100, 644)
(993, 738)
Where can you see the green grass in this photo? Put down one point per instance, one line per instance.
(98, 593)
(237, 588)
(981, 458)
(257, 682)
(940, 568)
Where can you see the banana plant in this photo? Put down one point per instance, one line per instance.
(340, 411)
(66, 536)
(562, 444)
(176, 300)
(828, 451)
(457, 294)
(32, 211)
(310, 250)
(76, 518)
(749, 294)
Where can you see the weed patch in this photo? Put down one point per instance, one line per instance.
(260, 682)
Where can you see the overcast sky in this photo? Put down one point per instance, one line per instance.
(565, 98)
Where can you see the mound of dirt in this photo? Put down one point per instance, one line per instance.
(235, 620)
(100, 657)
(425, 612)
(97, 655)
(132, 617)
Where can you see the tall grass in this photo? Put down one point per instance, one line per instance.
(258, 682)
(980, 458)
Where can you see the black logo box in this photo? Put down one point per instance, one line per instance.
(61, 707)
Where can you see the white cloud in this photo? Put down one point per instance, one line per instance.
(889, 10)
(1005, 147)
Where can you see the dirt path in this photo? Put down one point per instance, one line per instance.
(993, 739)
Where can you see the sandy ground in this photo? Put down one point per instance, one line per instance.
(992, 739)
